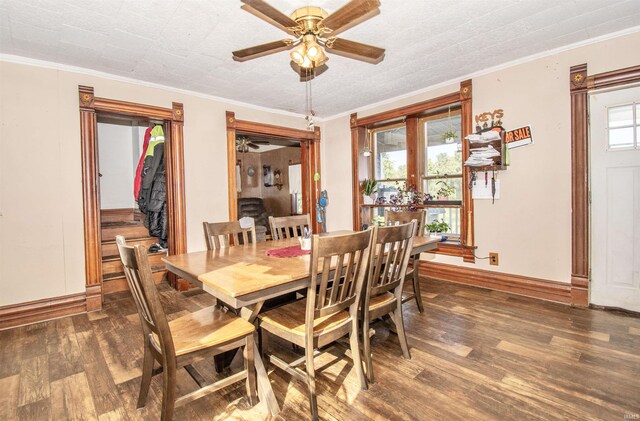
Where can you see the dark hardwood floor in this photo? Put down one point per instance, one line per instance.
(476, 354)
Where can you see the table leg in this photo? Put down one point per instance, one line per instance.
(265, 392)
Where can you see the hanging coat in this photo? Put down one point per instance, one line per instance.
(138, 178)
(152, 197)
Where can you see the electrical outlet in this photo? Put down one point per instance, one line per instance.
(493, 259)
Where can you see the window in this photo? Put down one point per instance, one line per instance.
(441, 135)
(439, 164)
(389, 162)
(623, 124)
(390, 158)
(409, 146)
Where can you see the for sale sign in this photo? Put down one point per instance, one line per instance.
(518, 137)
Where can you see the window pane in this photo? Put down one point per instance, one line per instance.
(388, 188)
(620, 116)
(449, 215)
(444, 188)
(621, 138)
(390, 153)
(443, 152)
(638, 114)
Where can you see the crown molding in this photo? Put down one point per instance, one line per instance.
(486, 71)
(9, 58)
(81, 70)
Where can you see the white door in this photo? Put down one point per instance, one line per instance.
(615, 198)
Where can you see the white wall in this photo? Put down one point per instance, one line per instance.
(530, 226)
(117, 152)
(41, 227)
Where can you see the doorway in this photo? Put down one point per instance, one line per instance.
(127, 150)
(171, 119)
(268, 179)
(273, 178)
(615, 197)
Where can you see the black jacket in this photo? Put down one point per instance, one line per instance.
(152, 199)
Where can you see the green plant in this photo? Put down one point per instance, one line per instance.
(445, 190)
(449, 134)
(437, 226)
(369, 187)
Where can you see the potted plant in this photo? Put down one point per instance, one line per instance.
(449, 136)
(369, 189)
(445, 191)
(437, 227)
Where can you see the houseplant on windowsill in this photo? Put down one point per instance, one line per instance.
(369, 189)
(445, 191)
(437, 228)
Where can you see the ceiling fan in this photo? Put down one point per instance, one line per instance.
(243, 144)
(313, 28)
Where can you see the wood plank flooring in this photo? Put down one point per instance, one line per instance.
(475, 354)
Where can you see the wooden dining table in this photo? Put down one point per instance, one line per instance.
(244, 277)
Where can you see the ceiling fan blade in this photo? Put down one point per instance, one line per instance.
(253, 145)
(349, 15)
(262, 50)
(356, 50)
(260, 142)
(272, 14)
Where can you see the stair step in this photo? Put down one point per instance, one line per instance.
(118, 282)
(120, 215)
(110, 248)
(126, 229)
(111, 264)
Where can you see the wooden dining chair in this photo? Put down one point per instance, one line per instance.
(404, 217)
(338, 268)
(224, 234)
(288, 226)
(182, 341)
(390, 253)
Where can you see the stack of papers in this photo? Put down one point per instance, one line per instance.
(483, 137)
(481, 157)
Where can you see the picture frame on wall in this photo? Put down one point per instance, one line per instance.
(267, 175)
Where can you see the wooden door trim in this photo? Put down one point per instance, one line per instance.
(173, 118)
(580, 84)
(310, 145)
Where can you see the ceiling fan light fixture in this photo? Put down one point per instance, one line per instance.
(307, 63)
(298, 54)
(321, 58)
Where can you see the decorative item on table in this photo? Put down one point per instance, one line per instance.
(305, 240)
(289, 251)
(369, 190)
(437, 228)
(321, 210)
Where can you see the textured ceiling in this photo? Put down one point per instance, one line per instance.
(187, 44)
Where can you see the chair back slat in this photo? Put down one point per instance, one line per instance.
(137, 270)
(404, 217)
(226, 234)
(343, 260)
(390, 254)
(288, 226)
